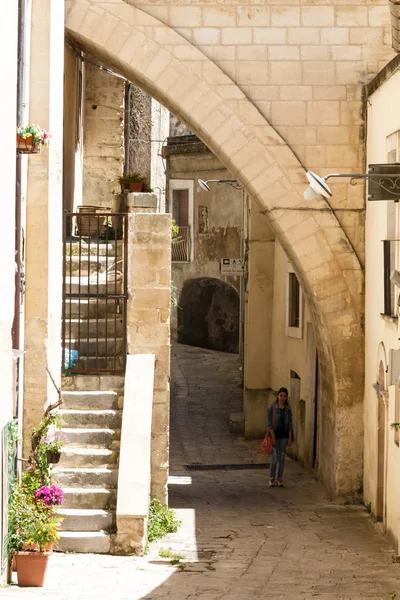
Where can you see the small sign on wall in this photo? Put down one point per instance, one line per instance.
(232, 266)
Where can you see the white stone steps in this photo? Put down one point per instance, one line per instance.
(96, 542)
(96, 477)
(91, 308)
(106, 418)
(87, 457)
(80, 520)
(95, 263)
(95, 345)
(83, 326)
(97, 437)
(96, 248)
(93, 498)
(90, 400)
(114, 363)
(92, 383)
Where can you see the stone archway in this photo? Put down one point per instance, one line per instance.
(208, 315)
(182, 78)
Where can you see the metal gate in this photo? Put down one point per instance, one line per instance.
(94, 292)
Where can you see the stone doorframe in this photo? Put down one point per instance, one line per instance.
(160, 60)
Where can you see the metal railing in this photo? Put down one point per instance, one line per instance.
(94, 292)
(181, 245)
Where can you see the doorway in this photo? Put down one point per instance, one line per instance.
(381, 462)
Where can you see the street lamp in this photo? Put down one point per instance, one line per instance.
(384, 182)
(203, 185)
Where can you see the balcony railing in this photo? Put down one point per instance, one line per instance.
(182, 245)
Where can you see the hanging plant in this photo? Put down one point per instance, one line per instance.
(30, 138)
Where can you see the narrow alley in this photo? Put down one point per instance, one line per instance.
(239, 539)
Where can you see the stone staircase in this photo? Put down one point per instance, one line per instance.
(88, 469)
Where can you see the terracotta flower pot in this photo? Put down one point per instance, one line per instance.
(31, 568)
(27, 145)
(136, 187)
(13, 563)
(53, 457)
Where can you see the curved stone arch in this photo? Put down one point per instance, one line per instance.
(181, 77)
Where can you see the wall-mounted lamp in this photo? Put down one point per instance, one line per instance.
(383, 182)
(203, 185)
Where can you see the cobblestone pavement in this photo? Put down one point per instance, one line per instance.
(239, 538)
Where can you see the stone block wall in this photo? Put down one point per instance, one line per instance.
(148, 323)
(103, 152)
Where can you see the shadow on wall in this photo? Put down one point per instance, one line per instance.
(208, 315)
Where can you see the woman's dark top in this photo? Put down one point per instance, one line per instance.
(281, 431)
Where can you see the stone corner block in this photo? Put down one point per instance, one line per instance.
(135, 201)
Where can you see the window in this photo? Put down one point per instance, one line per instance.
(181, 208)
(397, 414)
(294, 305)
(294, 301)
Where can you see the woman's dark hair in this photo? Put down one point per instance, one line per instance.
(285, 391)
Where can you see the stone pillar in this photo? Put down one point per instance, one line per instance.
(44, 214)
(258, 323)
(148, 321)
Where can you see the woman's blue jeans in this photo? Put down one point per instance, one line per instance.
(278, 458)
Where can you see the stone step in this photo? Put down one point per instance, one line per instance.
(94, 346)
(95, 419)
(96, 363)
(96, 542)
(87, 457)
(93, 285)
(93, 383)
(86, 477)
(92, 264)
(104, 327)
(91, 400)
(92, 308)
(91, 437)
(87, 497)
(103, 248)
(76, 519)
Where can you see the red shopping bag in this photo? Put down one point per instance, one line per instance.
(266, 445)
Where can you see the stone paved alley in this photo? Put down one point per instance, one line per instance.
(240, 539)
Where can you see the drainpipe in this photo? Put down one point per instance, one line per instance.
(127, 125)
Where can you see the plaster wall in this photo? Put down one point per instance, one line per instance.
(44, 215)
(381, 333)
(103, 142)
(225, 215)
(8, 65)
(271, 351)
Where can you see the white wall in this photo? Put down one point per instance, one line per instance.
(381, 333)
(8, 69)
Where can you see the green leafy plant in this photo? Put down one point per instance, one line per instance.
(30, 521)
(40, 136)
(135, 178)
(368, 507)
(175, 557)
(395, 426)
(162, 520)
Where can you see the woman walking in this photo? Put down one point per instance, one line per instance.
(280, 426)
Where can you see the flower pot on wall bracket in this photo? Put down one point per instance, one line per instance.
(136, 187)
(27, 145)
(53, 457)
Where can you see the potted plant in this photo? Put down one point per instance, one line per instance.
(51, 444)
(33, 529)
(30, 138)
(135, 183)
